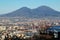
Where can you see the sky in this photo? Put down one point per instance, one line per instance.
(7, 6)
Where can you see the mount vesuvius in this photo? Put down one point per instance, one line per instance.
(42, 11)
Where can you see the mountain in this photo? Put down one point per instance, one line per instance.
(42, 11)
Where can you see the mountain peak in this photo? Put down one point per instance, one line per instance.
(44, 6)
(24, 8)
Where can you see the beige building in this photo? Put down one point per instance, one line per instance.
(2, 28)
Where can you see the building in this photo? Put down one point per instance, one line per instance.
(2, 28)
(55, 30)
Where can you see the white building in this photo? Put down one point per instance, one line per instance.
(2, 28)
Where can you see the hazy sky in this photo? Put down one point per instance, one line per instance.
(11, 5)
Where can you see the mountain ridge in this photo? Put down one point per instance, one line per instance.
(42, 11)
